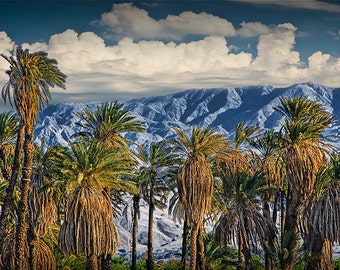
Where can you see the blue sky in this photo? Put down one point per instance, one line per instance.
(119, 49)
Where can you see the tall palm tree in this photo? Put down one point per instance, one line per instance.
(195, 179)
(107, 123)
(30, 76)
(155, 173)
(88, 227)
(243, 219)
(303, 150)
(321, 218)
(268, 161)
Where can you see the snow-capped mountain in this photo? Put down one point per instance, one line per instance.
(221, 109)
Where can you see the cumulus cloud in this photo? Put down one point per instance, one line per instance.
(306, 4)
(6, 46)
(145, 67)
(251, 29)
(128, 20)
(276, 49)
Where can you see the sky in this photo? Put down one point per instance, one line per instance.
(116, 49)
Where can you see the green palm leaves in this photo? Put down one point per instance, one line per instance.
(30, 76)
(107, 123)
(92, 164)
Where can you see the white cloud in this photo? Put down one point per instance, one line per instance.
(133, 68)
(305, 4)
(251, 29)
(276, 49)
(6, 46)
(128, 20)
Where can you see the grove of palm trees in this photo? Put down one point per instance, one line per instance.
(271, 196)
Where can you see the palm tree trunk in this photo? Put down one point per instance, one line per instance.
(184, 242)
(21, 230)
(268, 255)
(290, 237)
(149, 264)
(246, 251)
(193, 246)
(276, 207)
(282, 212)
(239, 251)
(200, 250)
(321, 254)
(136, 200)
(92, 263)
(8, 201)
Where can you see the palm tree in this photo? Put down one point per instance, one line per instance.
(195, 179)
(107, 123)
(155, 172)
(243, 219)
(303, 151)
(30, 76)
(88, 227)
(268, 161)
(321, 218)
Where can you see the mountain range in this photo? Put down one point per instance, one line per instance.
(220, 109)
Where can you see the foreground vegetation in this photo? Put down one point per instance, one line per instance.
(272, 196)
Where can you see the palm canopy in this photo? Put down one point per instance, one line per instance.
(195, 179)
(303, 119)
(302, 142)
(92, 164)
(30, 76)
(203, 141)
(243, 134)
(107, 123)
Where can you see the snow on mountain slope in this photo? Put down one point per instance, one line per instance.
(221, 109)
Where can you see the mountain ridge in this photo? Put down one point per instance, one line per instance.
(218, 108)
